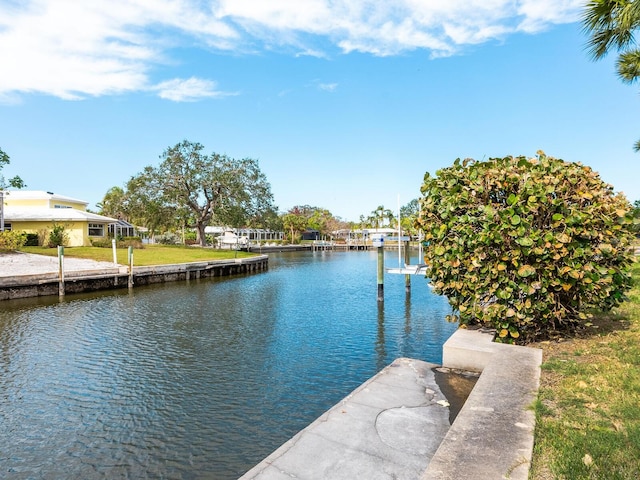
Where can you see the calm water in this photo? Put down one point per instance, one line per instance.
(199, 380)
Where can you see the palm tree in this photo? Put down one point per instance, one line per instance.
(611, 25)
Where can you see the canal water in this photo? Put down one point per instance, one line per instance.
(199, 380)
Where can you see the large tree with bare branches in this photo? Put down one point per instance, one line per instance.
(196, 189)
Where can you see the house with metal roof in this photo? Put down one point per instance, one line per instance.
(38, 212)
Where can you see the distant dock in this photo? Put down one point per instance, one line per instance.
(345, 247)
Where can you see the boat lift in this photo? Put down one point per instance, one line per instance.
(404, 268)
(420, 269)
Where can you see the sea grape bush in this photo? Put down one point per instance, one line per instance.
(528, 246)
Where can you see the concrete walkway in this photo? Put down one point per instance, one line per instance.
(388, 428)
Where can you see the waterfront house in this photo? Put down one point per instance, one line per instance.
(38, 212)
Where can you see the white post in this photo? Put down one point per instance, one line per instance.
(60, 270)
(115, 257)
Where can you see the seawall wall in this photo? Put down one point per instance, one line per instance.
(24, 286)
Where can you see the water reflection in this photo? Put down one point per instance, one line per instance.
(198, 380)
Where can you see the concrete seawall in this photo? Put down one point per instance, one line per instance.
(24, 286)
(396, 425)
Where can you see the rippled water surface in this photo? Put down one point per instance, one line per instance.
(200, 379)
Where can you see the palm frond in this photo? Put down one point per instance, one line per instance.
(610, 24)
(628, 66)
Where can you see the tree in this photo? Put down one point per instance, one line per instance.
(114, 204)
(409, 215)
(244, 195)
(191, 189)
(333, 224)
(15, 182)
(319, 220)
(301, 217)
(268, 219)
(611, 25)
(380, 217)
(294, 221)
(144, 204)
(526, 246)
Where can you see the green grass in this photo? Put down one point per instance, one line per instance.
(149, 255)
(588, 407)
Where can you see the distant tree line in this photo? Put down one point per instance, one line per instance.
(192, 190)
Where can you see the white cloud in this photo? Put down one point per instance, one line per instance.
(74, 49)
(45, 50)
(187, 90)
(328, 87)
(539, 14)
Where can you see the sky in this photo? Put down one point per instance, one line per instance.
(345, 104)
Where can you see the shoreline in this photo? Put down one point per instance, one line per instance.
(24, 275)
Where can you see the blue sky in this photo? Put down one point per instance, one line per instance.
(344, 103)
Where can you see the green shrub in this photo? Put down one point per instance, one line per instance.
(122, 242)
(12, 240)
(102, 243)
(135, 242)
(32, 240)
(525, 246)
(58, 236)
(168, 238)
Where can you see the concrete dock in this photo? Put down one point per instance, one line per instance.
(388, 428)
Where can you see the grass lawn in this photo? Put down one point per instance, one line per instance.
(149, 255)
(588, 408)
